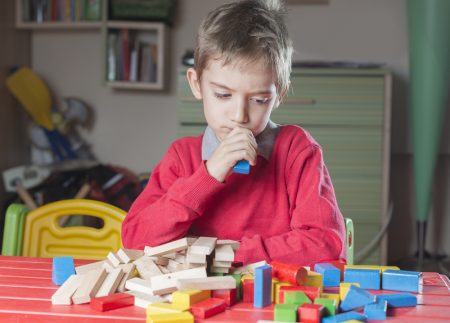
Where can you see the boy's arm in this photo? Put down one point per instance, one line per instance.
(317, 226)
(169, 204)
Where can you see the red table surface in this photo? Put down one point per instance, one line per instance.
(26, 288)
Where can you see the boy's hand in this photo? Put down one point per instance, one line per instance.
(238, 144)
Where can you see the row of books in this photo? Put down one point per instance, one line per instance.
(132, 56)
(61, 10)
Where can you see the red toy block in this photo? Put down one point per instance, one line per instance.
(310, 291)
(208, 308)
(248, 286)
(310, 313)
(111, 302)
(291, 273)
(228, 295)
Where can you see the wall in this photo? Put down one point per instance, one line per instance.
(135, 128)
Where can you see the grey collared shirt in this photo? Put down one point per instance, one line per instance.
(265, 140)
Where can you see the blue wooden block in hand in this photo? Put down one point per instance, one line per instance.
(399, 300)
(262, 286)
(63, 267)
(402, 280)
(343, 317)
(242, 167)
(356, 297)
(331, 274)
(376, 311)
(367, 278)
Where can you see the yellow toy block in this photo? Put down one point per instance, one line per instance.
(314, 279)
(162, 308)
(183, 317)
(276, 290)
(275, 281)
(244, 277)
(344, 287)
(183, 300)
(336, 297)
(381, 268)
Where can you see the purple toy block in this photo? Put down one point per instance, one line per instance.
(367, 278)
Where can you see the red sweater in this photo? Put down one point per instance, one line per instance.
(284, 210)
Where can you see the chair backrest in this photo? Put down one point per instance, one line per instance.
(13, 230)
(44, 237)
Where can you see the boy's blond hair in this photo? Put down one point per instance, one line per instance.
(249, 30)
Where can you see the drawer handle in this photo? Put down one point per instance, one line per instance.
(302, 101)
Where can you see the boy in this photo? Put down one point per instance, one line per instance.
(285, 209)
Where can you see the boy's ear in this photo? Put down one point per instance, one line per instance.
(194, 83)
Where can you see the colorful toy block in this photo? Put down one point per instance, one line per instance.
(183, 317)
(248, 288)
(297, 298)
(162, 308)
(380, 268)
(376, 311)
(314, 279)
(228, 295)
(311, 292)
(285, 312)
(330, 305)
(185, 299)
(335, 297)
(399, 300)
(290, 273)
(262, 286)
(276, 292)
(237, 278)
(344, 317)
(311, 313)
(208, 308)
(343, 289)
(242, 167)
(366, 278)
(111, 302)
(63, 268)
(356, 297)
(402, 280)
(331, 274)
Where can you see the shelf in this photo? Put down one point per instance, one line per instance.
(59, 25)
(135, 85)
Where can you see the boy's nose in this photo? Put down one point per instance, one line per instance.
(240, 113)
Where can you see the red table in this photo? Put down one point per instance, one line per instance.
(26, 288)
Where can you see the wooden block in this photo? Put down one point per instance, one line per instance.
(203, 246)
(89, 286)
(311, 312)
(62, 269)
(296, 297)
(195, 258)
(144, 300)
(185, 299)
(276, 294)
(381, 268)
(292, 273)
(262, 296)
(168, 281)
(160, 260)
(224, 253)
(310, 291)
(208, 308)
(63, 296)
(221, 264)
(208, 283)
(356, 297)
(248, 289)
(330, 305)
(403, 281)
(285, 312)
(222, 270)
(228, 295)
(166, 248)
(129, 272)
(343, 289)
(331, 274)
(161, 308)
(184, 317)
(235, 245)
(129, 255)
(335, 297)
(111, 282)
(171, 255)
(114, 259)
(108, 266)
(85, 268)
(139, 285)
(314, 279)
(111, 302)
(248, 269)
(366, 278)
(165, 270)
(147, 268)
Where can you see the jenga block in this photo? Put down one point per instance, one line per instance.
(356, 297)
(164, 269)
(248, 269)
(171, 255)
(228, 295)
(262, 286)
(180, 258)
(129, 272)
(224, 253)
(285, 312)
(195, 258)
(203, 246)
(331, 274)
(344, 287)
(376, 311)
(399, 300)
(184, 317)
(114, 259)
(185, 299)
(111, 302)
(161, 308)
(311, 313)
(111, 282)
(144, 300)
(366, 278)
(89, 286)
(208, 308)
(219, 270)
(235, 245)
(85, 268)
(129, 255)
(191, 240)
(403, 280)
(147, 268)
(222, 264)
(63, 268)
(139, 285)
(108, 266)
(168, 281)
(206, 283)
(166, 248)
(63, 296)
(291, 273)
(160, 260)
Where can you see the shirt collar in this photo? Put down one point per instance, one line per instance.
(265, 141)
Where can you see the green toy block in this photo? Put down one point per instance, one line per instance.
(285, 312)
(237, 278)
(329, 304)
(297, 298)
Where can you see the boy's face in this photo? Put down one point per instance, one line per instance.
(235, 95)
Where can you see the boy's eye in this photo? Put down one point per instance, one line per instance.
(222, 95)
(261, 100)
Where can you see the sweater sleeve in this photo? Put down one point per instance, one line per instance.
(169, 204)
(317, 229)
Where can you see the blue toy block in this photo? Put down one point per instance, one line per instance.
(376, 311)
(262, 286)
(367, 278)
(344, 317)
(242, 167)
(331, 274)
(402, 280)
(399, 300)
(63, 267)
(356, 297)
